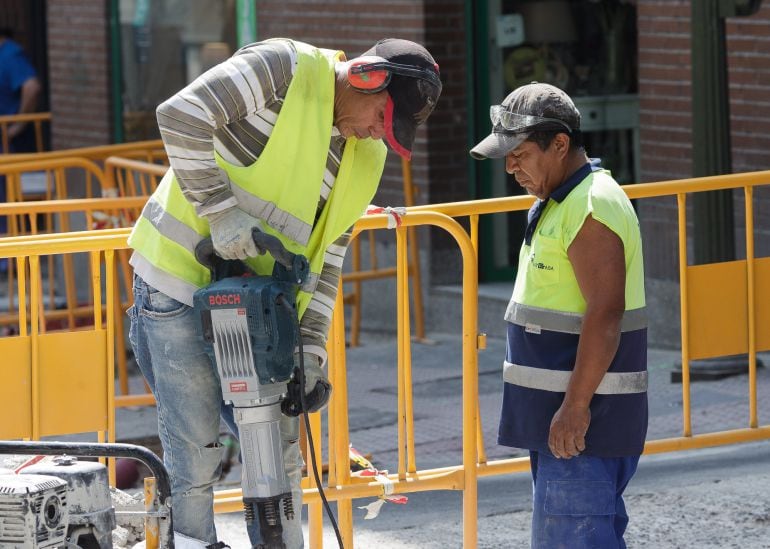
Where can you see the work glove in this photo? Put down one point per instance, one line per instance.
(231, 233)
(317, 388)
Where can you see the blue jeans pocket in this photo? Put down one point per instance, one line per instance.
(579, 497)
(131, 313)
(158, 305)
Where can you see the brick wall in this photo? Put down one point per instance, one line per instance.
(449, 158)
(666, 118)
(78, 54)
(748, 47)
(664, 88)
(666, 122)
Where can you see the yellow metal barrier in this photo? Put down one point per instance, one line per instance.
(131, 177)
(49, 385)
(741, 322)
(35, 118)
(374, 272)
(25, 218)
(122, 177)
(747, 332)
(408, 478)
(68, 311)
(126, 177)
(53, 181)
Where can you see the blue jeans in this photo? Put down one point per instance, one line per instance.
(172, 358)
(578, 502)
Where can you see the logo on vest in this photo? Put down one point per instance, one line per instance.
(539, 264)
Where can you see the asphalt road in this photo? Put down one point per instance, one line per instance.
(717, 497)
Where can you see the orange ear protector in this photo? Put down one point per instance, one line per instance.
(372, 74)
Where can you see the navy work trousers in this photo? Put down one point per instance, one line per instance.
(578, 502)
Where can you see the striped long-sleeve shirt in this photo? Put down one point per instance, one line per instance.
(232, 109)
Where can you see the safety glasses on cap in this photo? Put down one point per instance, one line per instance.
(515, 122)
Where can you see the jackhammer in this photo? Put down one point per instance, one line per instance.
(250, 326)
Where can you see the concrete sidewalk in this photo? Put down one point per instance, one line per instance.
(437, 386)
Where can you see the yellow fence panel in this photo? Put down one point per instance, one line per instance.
(761, 302)
(716, 306)
(72, 382)
(63, 306)
(16, 387)
(59, 382)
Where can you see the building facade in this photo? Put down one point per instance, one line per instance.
(107, 65)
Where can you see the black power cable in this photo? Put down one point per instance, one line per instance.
(301, 375)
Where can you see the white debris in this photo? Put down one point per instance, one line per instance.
(130, 527)
(12, 461)
(120, 537)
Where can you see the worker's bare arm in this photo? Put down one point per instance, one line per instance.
(597, 258)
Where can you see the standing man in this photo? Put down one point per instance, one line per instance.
(284, 137)
(575, 370)
(19, 93)
(19, 85)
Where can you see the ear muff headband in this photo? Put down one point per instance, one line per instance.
(373, 77)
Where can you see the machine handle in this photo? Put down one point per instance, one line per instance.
(204, 253)
(272, 244)
(295, 263)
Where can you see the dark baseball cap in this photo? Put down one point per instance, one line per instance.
(528, 108)
(413, 96)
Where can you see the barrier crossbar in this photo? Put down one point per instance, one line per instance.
(150, 151)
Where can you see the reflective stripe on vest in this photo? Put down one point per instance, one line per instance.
(171, 226)
(535, 319)
(556, 381)
(279, 220)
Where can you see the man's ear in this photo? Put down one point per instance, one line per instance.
(561, 143)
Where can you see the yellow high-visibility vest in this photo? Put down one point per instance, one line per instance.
(282, 187)
(545, 321)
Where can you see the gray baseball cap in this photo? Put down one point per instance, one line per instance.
(530, 107)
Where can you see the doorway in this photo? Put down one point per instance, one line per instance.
(588, 49)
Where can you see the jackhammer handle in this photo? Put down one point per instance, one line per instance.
(206, 254)
(269, 243)
(296, 264)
